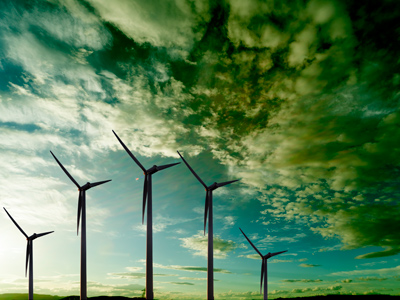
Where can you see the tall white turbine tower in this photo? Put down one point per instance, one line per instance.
(209, 210)
(29, 253)
(263, 266)
(81, 210)
(147, 194)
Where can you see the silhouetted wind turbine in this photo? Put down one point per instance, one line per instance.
(209, 209)
(29, 253)
(263, 266)
(147, 193)
(81, 210)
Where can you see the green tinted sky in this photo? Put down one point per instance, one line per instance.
(298, 99)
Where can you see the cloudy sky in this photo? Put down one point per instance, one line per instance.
(298, 99)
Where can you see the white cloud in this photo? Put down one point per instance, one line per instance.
(193, 278)
(269, 240)
(393, 270)
(78, 27)
(309, 265)
(161, 222)
(252, 256)
(198, 244)
(174, 24)
(229, 221)
(189, 268)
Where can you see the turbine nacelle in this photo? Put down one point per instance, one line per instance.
(89, 185)
(212, 187)
(273, 254)
(155, 168)
(85, 187)
(216, 185)
(268, 255)
(152, 170)
(38, 235)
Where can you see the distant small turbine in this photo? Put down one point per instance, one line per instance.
(81, 209)
(209, 210)
(263, 266)
(147, 192)
(29, 253)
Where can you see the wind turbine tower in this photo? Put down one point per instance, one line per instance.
(29, 253)
(147, 194)
(81, 211)
(208, 210)
(263, 266)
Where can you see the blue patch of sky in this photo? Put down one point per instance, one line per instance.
(10, 72)
(49, 41)
(108, 88)
(21, 127)
(74, 133)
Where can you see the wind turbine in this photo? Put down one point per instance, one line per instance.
(81, 210)
(263, 266)
(29, 253)
(209, 209)
(147, 193)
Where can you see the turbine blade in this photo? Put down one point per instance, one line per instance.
(98, 183)
(191, 170)
(20, 229)
(42, 234)
(226, 183)
(206, 212)
(28, 252)
(159, 168)
(262, 276)
(79, 211)
(251, 243)
(65, 170)
(144, 197)
(129, 152)
(276, 253)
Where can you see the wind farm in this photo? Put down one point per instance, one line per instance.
(297, 99)
(148, 291)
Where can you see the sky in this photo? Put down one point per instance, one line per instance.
(297, 99)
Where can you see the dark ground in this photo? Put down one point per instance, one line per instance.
(346, 297)
(328, 297)
(50, 297)
(101, 298)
